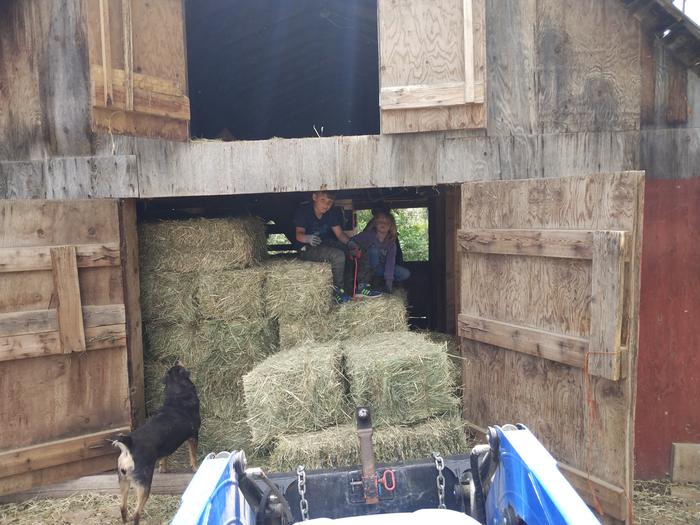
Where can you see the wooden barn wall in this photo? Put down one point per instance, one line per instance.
(44, 86)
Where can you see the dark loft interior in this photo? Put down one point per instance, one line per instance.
(259, 69)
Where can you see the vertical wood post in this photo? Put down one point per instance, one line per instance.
(70, 313)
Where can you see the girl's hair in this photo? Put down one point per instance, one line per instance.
(392, 224)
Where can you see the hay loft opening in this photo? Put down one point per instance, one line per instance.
(422, 235)
(275, 68)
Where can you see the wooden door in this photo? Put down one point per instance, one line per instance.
(548, 320)
(432, 56)
(64, 370)
(138, 68)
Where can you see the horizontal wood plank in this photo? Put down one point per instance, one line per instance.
(37, 321)
(145, 100)
(48, 343)
(427, 96)
(563, 349)
(45, 455)
(36, 258)
(168, 484)
(596, 492)
(570, 244)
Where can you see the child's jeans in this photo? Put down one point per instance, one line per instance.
(400, 273)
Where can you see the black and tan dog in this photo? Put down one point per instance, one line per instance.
(175, 422)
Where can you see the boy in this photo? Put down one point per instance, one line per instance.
(320, 237)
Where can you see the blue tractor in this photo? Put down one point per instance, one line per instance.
(509, 480)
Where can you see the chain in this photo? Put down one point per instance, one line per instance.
(301, 482)
(440, 480)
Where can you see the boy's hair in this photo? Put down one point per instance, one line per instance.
(329, 194)
(392, 224)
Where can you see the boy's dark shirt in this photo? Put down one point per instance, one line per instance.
(305, 217)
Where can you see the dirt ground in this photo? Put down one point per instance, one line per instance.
(653, 505)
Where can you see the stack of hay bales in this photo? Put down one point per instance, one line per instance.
(202, 295)
(299, 297)
(300, 402)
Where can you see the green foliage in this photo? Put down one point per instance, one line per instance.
(412, 225)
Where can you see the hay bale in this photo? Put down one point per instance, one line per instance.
(232, 294)
(370, 316)
(404, 377)
(297, 289)
(168, 297)
(194, 245)
(169, 342)
(296, 390)
(346, 321)
(338, 446)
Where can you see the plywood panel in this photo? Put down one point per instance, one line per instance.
(586, 422)
(585, 82)
(422, 47)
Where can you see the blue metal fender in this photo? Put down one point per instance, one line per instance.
(528, 482)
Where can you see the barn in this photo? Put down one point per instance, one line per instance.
(555, 145)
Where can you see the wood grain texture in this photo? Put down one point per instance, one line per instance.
(555, 347)
(422, 43)
(70, 314)
(132, 299)
(611, 498)
(31, 259)
(607, 304)
(511, 56)
(55, 396)
(551, 295)
(568, 244)
(46, 91)
(585, 82)
(670, 153)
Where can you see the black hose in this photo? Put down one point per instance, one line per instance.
(479, 510)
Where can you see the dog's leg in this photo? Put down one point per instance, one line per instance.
(124, 488)
(163, 465)
(142, 494)
(192, 447)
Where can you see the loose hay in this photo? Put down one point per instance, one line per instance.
(346, 322)
(194, 245)
(296, 390)
(338, 446)
(232, 295)
(168, 297)
(403, 377)
(654, 504)
(87, 508)
(297, 289)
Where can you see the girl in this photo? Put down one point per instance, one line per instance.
(378, 244)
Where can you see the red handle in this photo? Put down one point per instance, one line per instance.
(390, 486)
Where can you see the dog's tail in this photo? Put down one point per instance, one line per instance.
(125, 462)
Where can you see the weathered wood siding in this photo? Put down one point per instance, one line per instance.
(44, 79)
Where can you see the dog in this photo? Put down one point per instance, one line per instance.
(177, 421)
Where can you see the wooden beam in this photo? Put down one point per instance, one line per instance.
(49, 343)
(69, 312)
(37, 321)
(170, 484)
(685, 462)
(569, 244)
(607, 304)
(468, 52)
(555, 347)
(45, 455)
(128, 55)
(107, 92)
(422, 96)
(128, 234)
(596, 492)
(35, 258)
